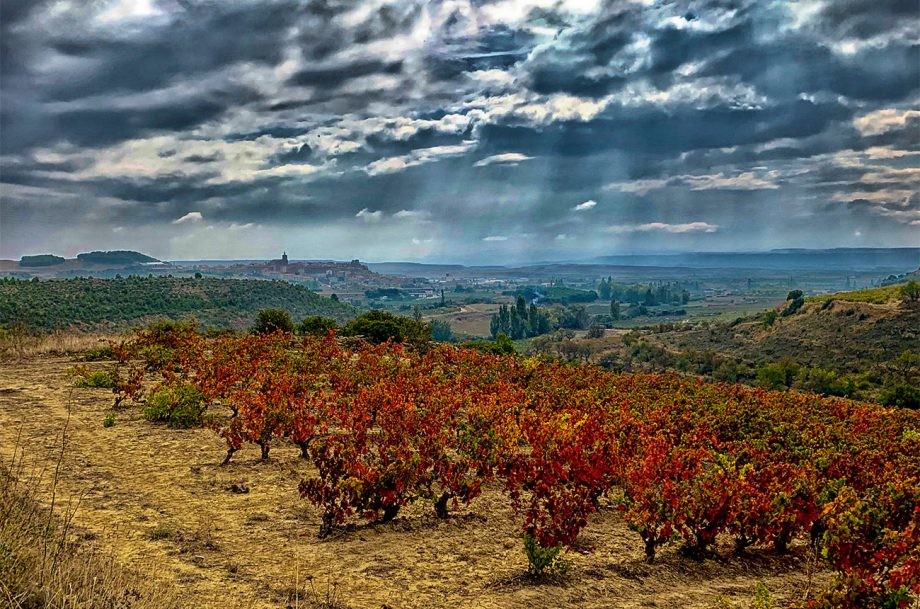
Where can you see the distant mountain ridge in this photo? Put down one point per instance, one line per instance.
(842, 259)
(875, 260)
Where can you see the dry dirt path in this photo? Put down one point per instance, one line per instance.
(159, 499)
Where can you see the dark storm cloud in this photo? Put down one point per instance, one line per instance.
(499, 47)
(204, 158)
(779, 70)
(659, 131)
(300, 154)
(91, 128)
(195, 41)
(466, 119)
(866, 18)
(334, 76)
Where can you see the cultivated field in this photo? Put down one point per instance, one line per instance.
(240, 536)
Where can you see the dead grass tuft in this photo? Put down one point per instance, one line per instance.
(46, 564)
(15, 345)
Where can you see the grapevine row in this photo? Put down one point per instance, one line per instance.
(681, 459)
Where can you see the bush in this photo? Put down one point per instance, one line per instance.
(769, 318)
(901, 394)
(109, 420)
(542, 560)
(910, 291)
(795, 300)
(595, 332)
(179, 407)
(502, 345)
(96, 354)
(316, 325)
(381, 326)
(273, 320)
(780, 375)
(825, 382)
(97, 379)
(441, 331)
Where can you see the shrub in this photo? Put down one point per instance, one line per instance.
(97, 379)
(316, 325)
(181, 406)
(381, 326)
(441, 331)
(780, 375)
(156, 357)
(542, 560)
(825, 382)
(502, 345)
(901, 394)
(273, 320)
(795, 300)
(109, 420)
(910, 291)
(101, 353)
(595, 332)
(769, 318)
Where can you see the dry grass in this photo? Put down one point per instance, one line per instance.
(20, 345)
(891, 293)
(46, 563)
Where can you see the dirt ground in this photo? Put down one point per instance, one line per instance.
(240, 536)
(470, 319)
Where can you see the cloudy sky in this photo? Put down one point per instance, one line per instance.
(457, 130)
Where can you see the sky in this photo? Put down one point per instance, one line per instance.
(475, 131)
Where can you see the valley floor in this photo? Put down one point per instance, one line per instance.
(240, 536)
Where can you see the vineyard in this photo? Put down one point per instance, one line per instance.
(683, 462)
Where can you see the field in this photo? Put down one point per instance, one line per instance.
(471, 319)
(241, 535)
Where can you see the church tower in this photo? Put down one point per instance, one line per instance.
(283, 267)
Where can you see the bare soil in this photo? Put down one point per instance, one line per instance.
(240, 536)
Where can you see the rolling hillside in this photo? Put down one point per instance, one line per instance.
(841, 332)
(112, 304)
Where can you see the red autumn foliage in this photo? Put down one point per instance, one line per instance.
(385, 425)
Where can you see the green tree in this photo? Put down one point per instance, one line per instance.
(316, 325)
(604, 288)
(779, 375)
(273, 320)
(615, 310)
(521, 308)
(795, 300)
(441, 331)
(381, 326)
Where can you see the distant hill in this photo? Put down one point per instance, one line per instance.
(41, 260)
(845, 332)
(863, 344)
(96, 263)
(115, 257)
(112, 304)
